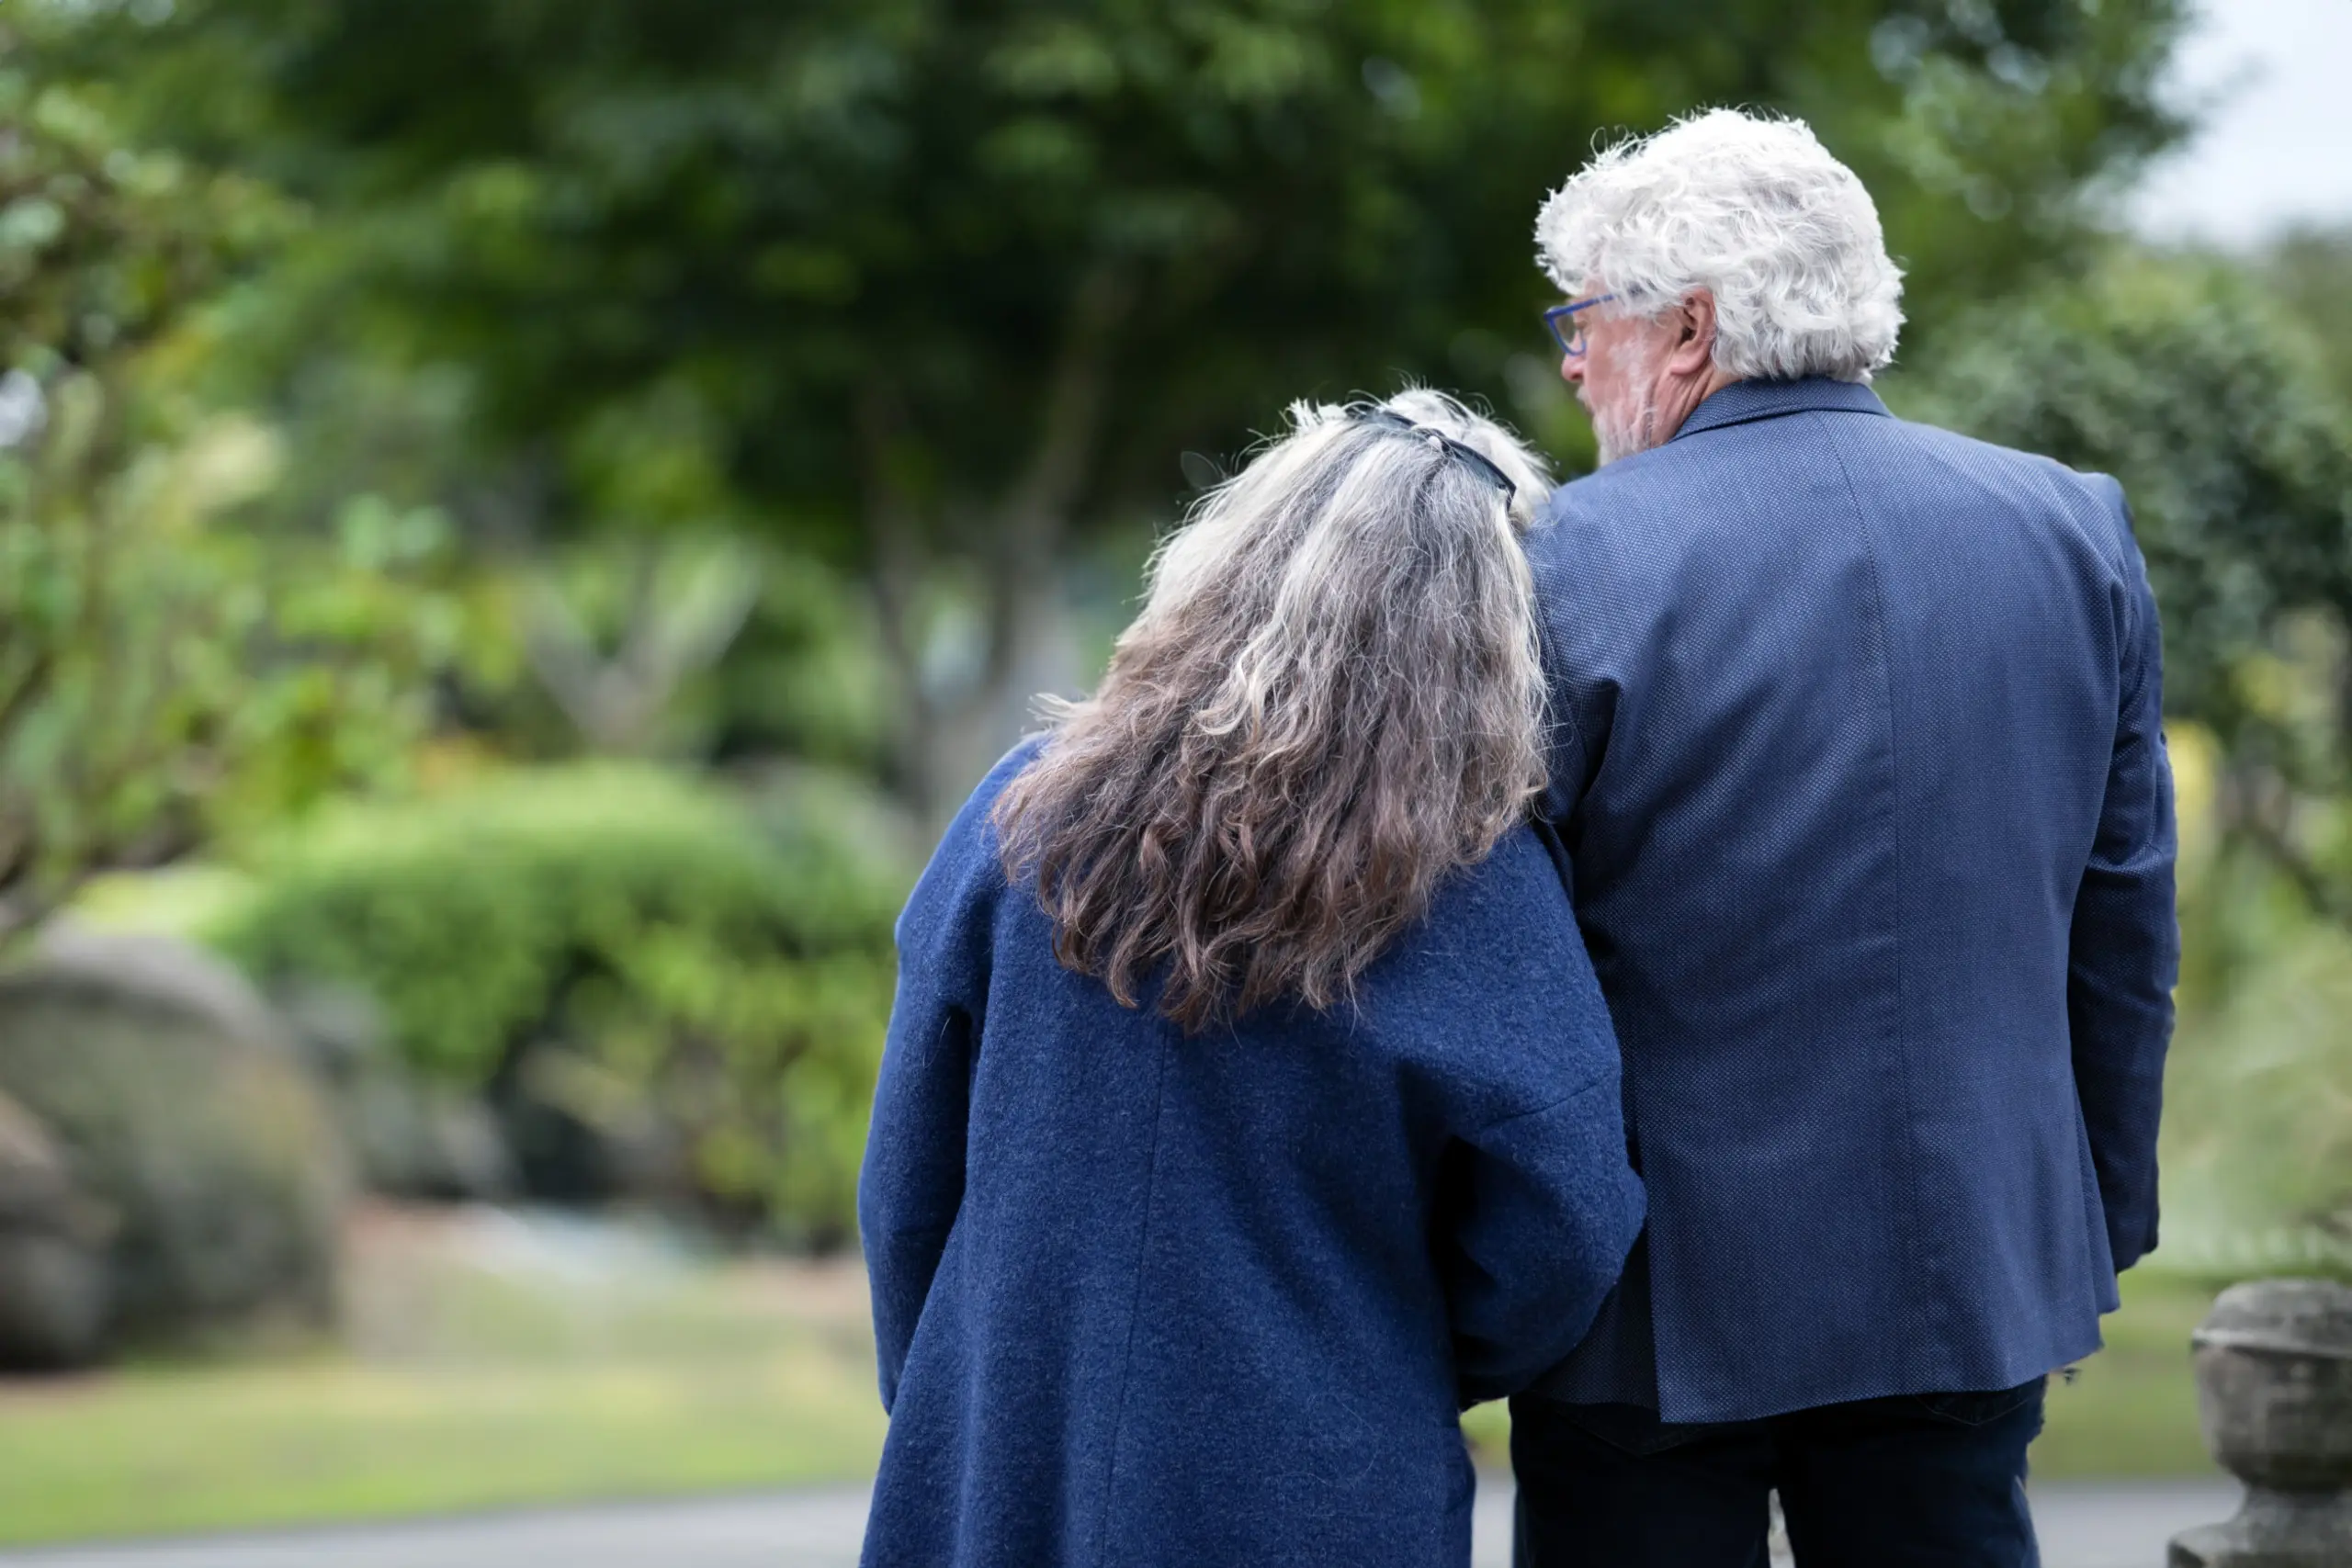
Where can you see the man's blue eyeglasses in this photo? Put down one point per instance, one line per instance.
(1565, 330)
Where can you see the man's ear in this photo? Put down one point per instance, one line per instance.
(1694, 345)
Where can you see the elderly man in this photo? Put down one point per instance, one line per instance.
(1860, 788)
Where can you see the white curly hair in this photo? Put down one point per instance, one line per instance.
(1756, 210)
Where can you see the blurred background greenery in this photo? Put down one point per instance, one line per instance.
(517, 521)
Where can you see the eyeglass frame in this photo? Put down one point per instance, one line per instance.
(1572, 344)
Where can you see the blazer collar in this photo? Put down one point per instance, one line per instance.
(1745, 400)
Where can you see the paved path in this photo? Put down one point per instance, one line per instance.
(2082, 1527)
(2125, 1526)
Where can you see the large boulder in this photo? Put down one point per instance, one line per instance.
(52, 1252)
(176, 1103)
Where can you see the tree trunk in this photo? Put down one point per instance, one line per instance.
(946, 740)
(1040, 657)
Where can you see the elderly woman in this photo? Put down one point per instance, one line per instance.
(1249, 1105)
(1863, 782)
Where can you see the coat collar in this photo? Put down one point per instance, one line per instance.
(1745, 400)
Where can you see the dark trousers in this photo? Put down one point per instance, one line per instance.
(1925, 1481)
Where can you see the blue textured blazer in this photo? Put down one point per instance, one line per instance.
(1145, 1298)
(1863, 793)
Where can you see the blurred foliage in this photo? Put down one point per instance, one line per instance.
(638, 944)
(689, 644)
(2309, 271)
(925, 290)
(2257, 1145)
(161, 669)
(2205, 392)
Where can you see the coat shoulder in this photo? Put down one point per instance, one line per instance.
(1677, 498)
(1493, 989)
(2025, 483)
(1970, 454)
(965, 877)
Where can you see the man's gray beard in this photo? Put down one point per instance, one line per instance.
(1623, 442)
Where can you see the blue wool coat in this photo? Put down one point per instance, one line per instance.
(1861, 774)
(1141, 1298)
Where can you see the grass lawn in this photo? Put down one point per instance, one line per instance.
(487, 1367)
(2130, 1411)
(473, 1381)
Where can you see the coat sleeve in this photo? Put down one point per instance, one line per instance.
(911, 1185)
(2125, 942)
(1548, 1208)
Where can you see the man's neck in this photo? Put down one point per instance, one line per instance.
(1681, 399)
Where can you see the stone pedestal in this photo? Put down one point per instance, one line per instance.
(2274, 1387)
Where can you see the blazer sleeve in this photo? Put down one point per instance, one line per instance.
(1567, 753)
(1548, 1209)
(2125, 941)
(911, 1185)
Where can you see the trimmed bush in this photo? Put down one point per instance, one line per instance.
(622, 944)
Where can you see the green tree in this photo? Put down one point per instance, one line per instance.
(158, 668)
(933, 291)
(2310, 272)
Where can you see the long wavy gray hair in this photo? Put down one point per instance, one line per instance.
(1332, 699)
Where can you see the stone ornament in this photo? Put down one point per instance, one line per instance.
(2274, 1389)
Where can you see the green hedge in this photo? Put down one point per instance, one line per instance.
(693, 962)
